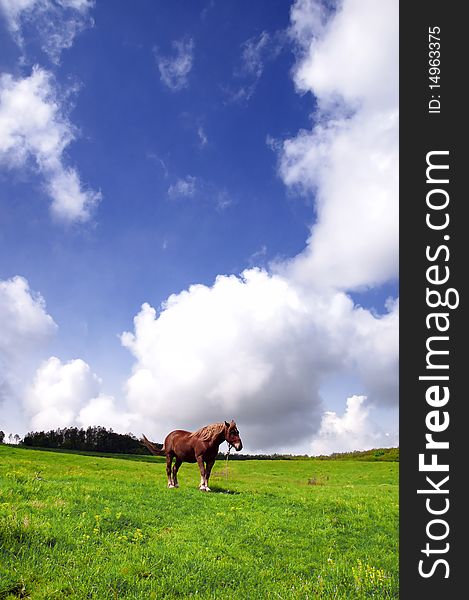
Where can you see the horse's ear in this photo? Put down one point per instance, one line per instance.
(227, 424)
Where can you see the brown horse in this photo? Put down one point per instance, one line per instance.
(201, 447)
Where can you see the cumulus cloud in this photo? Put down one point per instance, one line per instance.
(348, 59)
(349, 54)
(25, 322)
(376, 356)
(103, 410)
(55, 23)
(34, 131)
(307, 20)
(58, 391)
(175, 68)
(68, 394)
(25, 331)
(61, 394)
(351, 167)
(253, 347)
(214, 353)
(354, 430)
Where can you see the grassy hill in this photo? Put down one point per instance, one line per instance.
(78, 526)
(381, 454)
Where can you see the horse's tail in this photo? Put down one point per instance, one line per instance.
(152, 447)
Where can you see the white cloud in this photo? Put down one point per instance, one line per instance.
(23, 315)
(349, 160)
(256, 52)
(252, 54)
(58, 391)
(221, 196)
(158, 161)
(351, 53)
(351, 165)
(12, 10)
(34, 131)
(256, 348)
(103, 411)
(183, 187)
(258, 257)
(69, 201)
(61, 394)
(376, 354)
(56, 23)
(207, 193)
(203, 140)
(25, 331)
(68, 394)
(354, 430)
(214, 353)
(174, 69)
(307, 20)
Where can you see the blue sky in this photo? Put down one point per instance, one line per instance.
(181, 134)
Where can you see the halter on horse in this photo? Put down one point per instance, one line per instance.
(201, 447)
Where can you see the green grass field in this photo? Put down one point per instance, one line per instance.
(81, 527)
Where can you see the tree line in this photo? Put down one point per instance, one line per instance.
(93, 439)
(100, 439)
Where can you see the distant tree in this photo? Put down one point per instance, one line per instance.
(17, 438)
(2, 436)
(95, 439)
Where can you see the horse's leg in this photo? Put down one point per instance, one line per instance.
(200, 462)
(169, 460)
(208, 469)
(176, 466)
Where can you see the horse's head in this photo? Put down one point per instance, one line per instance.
(232, 435)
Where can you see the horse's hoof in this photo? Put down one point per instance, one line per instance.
(207, 489)
(176, 485)
(202, 488)
(170, 485)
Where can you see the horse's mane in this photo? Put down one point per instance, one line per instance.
(209, 431)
